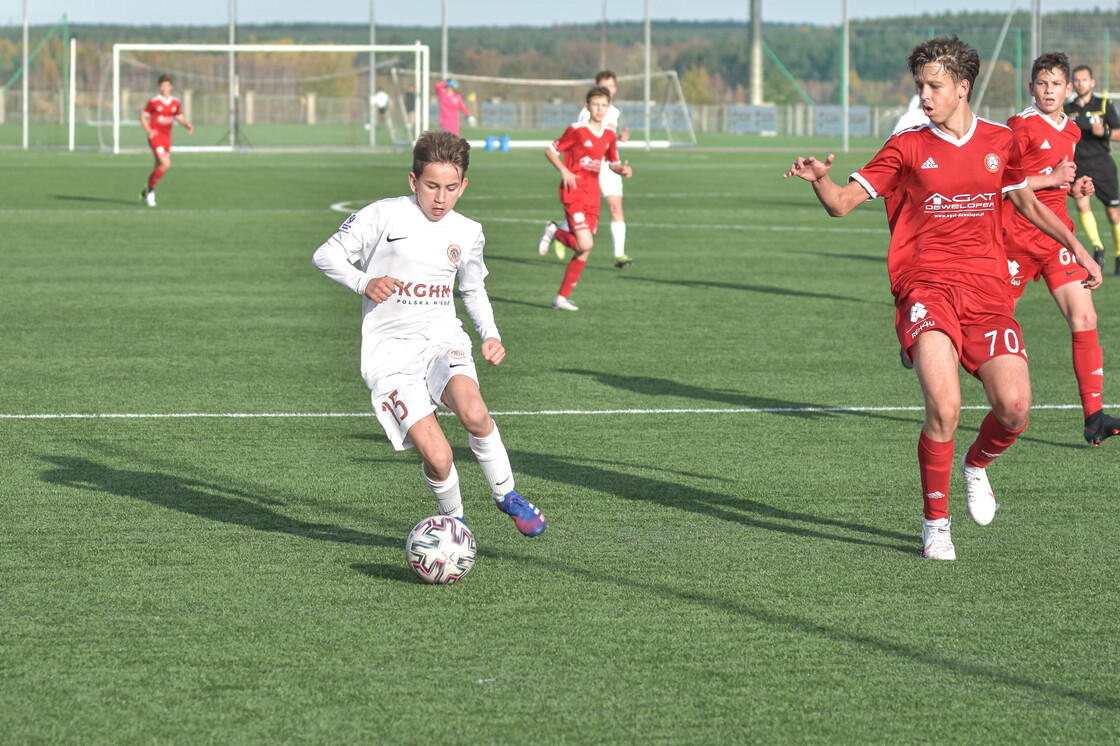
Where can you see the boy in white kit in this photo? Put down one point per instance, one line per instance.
(415, 355)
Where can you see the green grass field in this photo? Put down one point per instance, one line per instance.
(722, 439)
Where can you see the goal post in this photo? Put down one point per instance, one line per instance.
(532, 112)
(288, 115)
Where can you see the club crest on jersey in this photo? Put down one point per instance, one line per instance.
(991, 162)
(456, 354)
(453, 253)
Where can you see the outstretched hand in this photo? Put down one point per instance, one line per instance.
(810, 169)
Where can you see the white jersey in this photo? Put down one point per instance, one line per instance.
(393, 238)
(610, 121)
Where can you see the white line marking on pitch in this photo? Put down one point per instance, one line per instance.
(511, 413)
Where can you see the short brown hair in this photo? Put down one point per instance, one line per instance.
(1051, 61)
(165, 78)
(958, 59)
(440, 146)
(605, 75)
(597, 91)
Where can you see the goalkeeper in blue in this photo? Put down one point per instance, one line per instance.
(415, 355)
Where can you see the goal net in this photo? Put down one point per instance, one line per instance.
(271, 96)
(533, 112)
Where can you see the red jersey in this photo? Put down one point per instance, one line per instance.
(1042, 143)
(944, 201)
(162, 113)
(585, 154)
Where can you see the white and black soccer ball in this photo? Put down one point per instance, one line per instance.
(440, 550)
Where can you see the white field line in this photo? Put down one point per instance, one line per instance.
(511, 413)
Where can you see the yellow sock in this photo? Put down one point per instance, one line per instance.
(1116, 237)
(1089, 224)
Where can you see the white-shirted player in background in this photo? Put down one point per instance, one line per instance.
(415, 354)
(610, 183)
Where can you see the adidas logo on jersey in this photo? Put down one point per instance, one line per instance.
(587, 144)
(929, 163)
(1045, 145)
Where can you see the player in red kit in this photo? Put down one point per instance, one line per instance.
(1047, 139)
(587, 147)
(157, 118)
(942, 184)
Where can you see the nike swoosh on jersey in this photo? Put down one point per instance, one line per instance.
(390, 239)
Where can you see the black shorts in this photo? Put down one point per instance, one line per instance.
(1103, 171)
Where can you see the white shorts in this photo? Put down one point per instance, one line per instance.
(406, 379)
(610, 183)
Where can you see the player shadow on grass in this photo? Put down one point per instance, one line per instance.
(203, 499)
(768, 289)
(934, 656)
(107, 200)
(715, 504)
(649, 386)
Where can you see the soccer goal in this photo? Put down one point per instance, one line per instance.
(533, 112)
(273, 96)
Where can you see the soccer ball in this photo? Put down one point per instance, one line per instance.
(440, 550)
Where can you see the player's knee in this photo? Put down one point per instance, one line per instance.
(475, 418)
(1013, 411)
(942, 420)
(438, 461)
(1083, 319)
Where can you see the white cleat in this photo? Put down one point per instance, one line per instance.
(560, 303)
(936, 542)
(150, 198)
(982, 505)
(546, 238)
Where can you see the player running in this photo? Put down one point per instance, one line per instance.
(1047, 138)
(158, 117)
(942, 185)
(415, 355)
(587, 148)
(610, 183)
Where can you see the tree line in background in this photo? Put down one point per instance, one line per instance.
(711, 58)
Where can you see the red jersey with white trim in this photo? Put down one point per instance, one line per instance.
(944, 201)
(585, 154)
(1043, 143)
(162, 112)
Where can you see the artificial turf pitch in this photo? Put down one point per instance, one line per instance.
(722, 439)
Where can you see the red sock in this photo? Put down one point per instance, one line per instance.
(567, 238)
(156, 176)
(1088, 366)
(571, 276)
(993, 440)
(935, 462)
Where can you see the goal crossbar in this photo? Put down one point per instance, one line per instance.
(418, 50)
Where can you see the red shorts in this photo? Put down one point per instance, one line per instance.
(160, 144)
(979, 320)
(1058, 268)
(582, 216)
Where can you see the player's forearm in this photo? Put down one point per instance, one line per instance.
(332, 261)
(838, 200)
(477, 303)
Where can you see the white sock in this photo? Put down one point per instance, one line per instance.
(447, 493)
(618, 235)
(494, 460)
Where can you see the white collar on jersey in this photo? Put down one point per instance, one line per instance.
(167, 100)
(1050, 121)
(952, 140)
